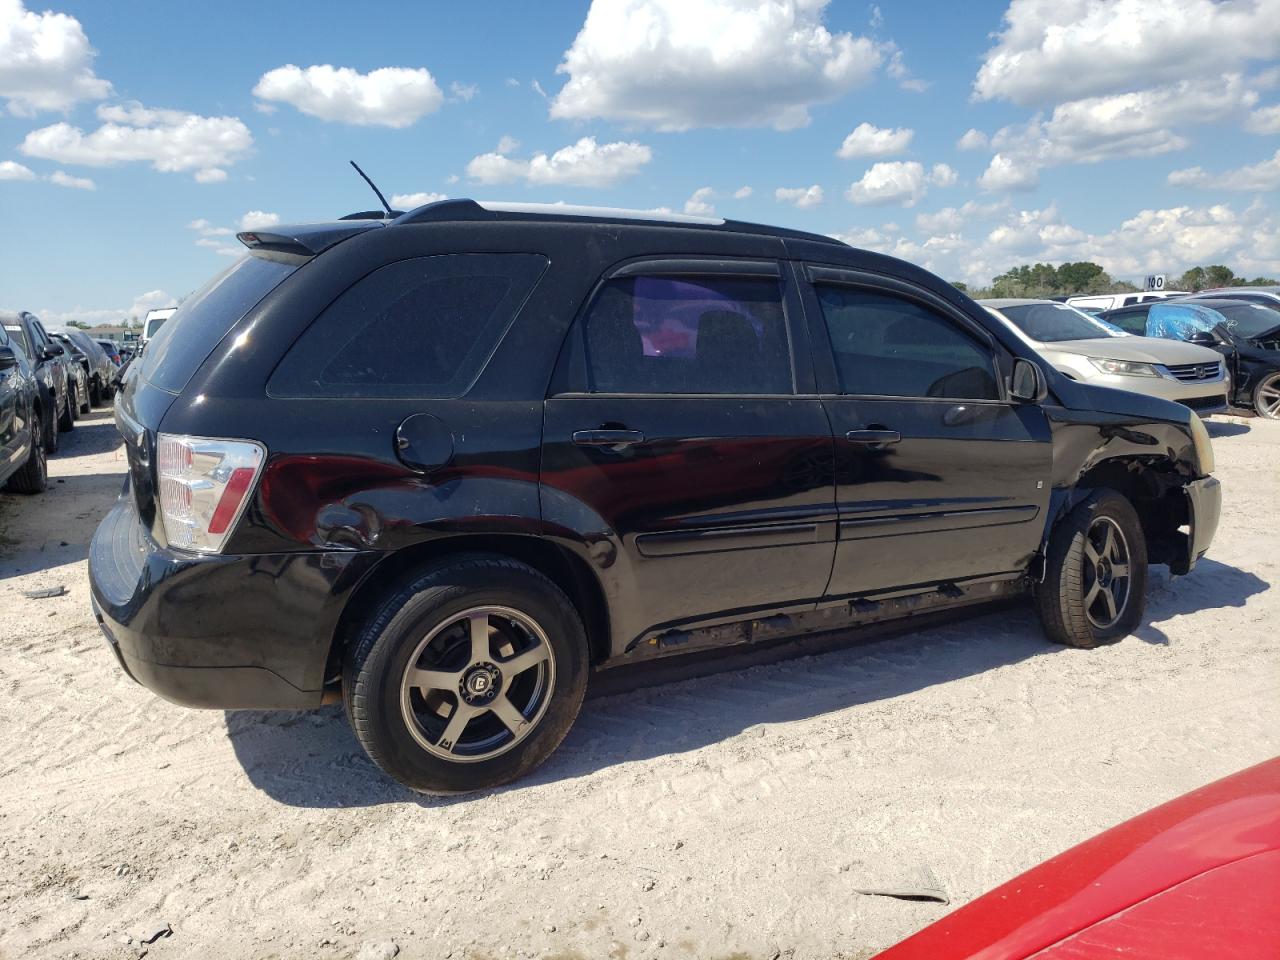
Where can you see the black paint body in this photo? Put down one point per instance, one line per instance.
(732, 509)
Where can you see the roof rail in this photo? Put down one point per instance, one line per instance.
(463, 209)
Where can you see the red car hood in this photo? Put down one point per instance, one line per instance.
(1198, 877)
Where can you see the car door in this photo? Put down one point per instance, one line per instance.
(939, 477)
(684, 449)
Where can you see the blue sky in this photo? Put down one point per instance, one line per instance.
(1143, 134)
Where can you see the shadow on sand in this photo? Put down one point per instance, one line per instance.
(313, 760)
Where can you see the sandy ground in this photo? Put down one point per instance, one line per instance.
(727, 816)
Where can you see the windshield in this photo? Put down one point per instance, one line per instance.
(1249, 320)
(153, 326)
(189, 336)
(1056, 322)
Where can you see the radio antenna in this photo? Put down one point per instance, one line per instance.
(374, 188)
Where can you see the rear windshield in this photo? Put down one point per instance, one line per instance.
(184, 342)
(1057, 322)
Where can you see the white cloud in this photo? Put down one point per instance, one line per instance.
(897, 69)
(1264, 120)
(46, 62)
(699, 204)
(1143, 123)
(583, 164)
(407, 201)
(207, 229)
(871, 141)
(107, 315)
(64, 179)
(1054, 50)
(1261, 177)
(890, 182)
(742, 193)
(676, 64)
(802, 197)
(258, 220)
(972, 140)
(170, 140)
(943, 175)
(463, 91)
(899, 181)
(951, 219)
(507, 144)
(386, 97)
(210, 175)
(11, 170)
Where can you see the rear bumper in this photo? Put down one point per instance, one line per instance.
(1204, 502)
(249, 632)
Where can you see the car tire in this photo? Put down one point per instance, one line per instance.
(1266, 396)
(95, 395)
(33, 476)
(67, 416)
(51, 435)
(1095, 583)
(427, 685)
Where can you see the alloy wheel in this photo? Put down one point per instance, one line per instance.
(478, 684)
(1267, 399)
(1106, 573)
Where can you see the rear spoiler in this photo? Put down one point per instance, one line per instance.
(306, 240)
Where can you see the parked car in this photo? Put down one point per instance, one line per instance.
(1245, 333)
(1096, 303)
(101, 371)
(111, 349)
(22, 419)
(50, 369)
(1087, 348)
(77, 366)
(601, 437)
(154, 320)
(1197, 877)
(1267, 296)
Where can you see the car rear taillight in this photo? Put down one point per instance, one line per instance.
(204, 486)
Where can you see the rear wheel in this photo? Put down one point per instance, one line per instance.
(467, 676)
(1095, 583)
(34, 475)
(49, 423)
(95, 395)
(1266, 397)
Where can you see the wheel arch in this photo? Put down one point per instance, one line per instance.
(1154, 485)
(567, 571)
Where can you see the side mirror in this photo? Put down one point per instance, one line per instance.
(1204, 338)
(8, 359)
(1028, 383)
(51, 351)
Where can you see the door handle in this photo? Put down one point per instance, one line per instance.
(873, 436)
(607, 438)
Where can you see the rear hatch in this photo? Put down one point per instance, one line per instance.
(174, 355)
(181, 346)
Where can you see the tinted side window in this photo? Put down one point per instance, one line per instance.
(689, 335)
(1131, 321)
(417, 328)
(19, 336)
(888, 346)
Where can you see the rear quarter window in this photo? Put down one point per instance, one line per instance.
(417, 328)
(179, 348)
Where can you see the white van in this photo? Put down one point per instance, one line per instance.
(155, 320)
(1112, 301)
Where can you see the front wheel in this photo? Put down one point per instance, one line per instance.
(468, 676)
(67, 416)
(33, 477)
(95, 395)
(1266, 397)
(1095, 583)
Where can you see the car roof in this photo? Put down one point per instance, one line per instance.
(1272, 289)
(314, 238)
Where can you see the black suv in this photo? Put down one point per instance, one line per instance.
(447, 464)
(49, 364)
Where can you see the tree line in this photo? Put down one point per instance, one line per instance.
(1084, 277)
